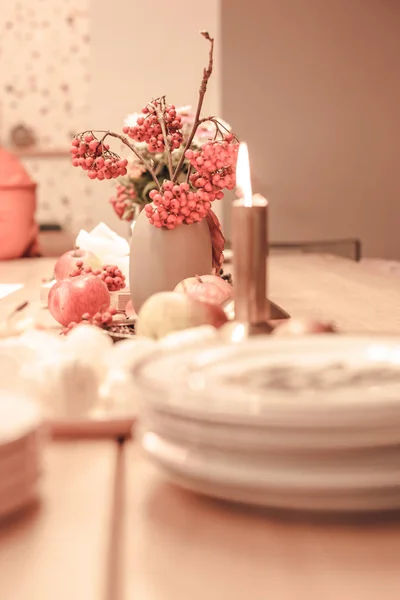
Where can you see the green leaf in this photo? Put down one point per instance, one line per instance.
(128, 213)
(147, 189)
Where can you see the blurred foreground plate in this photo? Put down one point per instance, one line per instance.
(308, 423)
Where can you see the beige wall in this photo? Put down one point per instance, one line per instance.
(142, 50)
(314, 87)
(86, 64)
(44, 53)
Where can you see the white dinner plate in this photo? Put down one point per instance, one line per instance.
(227, 478)
(260, 437)
(324, 381)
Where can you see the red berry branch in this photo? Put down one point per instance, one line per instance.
(123, 201)
(103, 319)
(95, 156)
(110, 274)
(183, 197)
(159, 126)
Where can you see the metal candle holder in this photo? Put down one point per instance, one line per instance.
(250, 257)
(250, 260)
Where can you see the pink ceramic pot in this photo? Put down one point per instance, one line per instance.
(18, 230)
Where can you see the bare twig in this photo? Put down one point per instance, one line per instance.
(188, 173)
(17, 309)
(159, 167)
(218, 126)
(161, 120)
(125, 141)
(203, 88)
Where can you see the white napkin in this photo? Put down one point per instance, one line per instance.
(107, 245)
(9, 288)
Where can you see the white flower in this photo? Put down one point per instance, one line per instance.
(206, 131)
(185, 110)
(131, 120)
(187, 115)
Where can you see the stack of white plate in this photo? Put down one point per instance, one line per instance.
(310, 423)
(20, 453)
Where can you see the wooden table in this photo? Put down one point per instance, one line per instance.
(111, 527)
(358, 298)
(59, 550)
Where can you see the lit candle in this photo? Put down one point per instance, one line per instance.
(250, 249)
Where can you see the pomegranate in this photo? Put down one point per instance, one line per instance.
(71, 298)
(207, 288)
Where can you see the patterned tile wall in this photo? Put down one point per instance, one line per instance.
(44, 85)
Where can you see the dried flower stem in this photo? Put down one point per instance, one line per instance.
(203, 88)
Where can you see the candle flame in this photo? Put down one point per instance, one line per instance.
(243, 180)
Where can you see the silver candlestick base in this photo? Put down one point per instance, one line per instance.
(275, 312)
(235, 331)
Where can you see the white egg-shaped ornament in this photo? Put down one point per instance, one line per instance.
(66, 386)
(43, 343)
(90, 342)
(14, 354)
(125, 354)
(160, 258)
(117, 394)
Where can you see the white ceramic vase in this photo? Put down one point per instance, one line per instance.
(161, 258)
(137, 210)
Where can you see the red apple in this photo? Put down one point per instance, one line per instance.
(207, 288)
(67, 262)
(71, 298)
(293, 327)
(166, 312)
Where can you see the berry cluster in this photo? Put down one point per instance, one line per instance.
(214, 166)
(81, 270)
(113, 278)
(181, 203)
(175, 204)
(110, 274)
(122, 203)
(148, 127)
(103, 319)
(95, 157)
